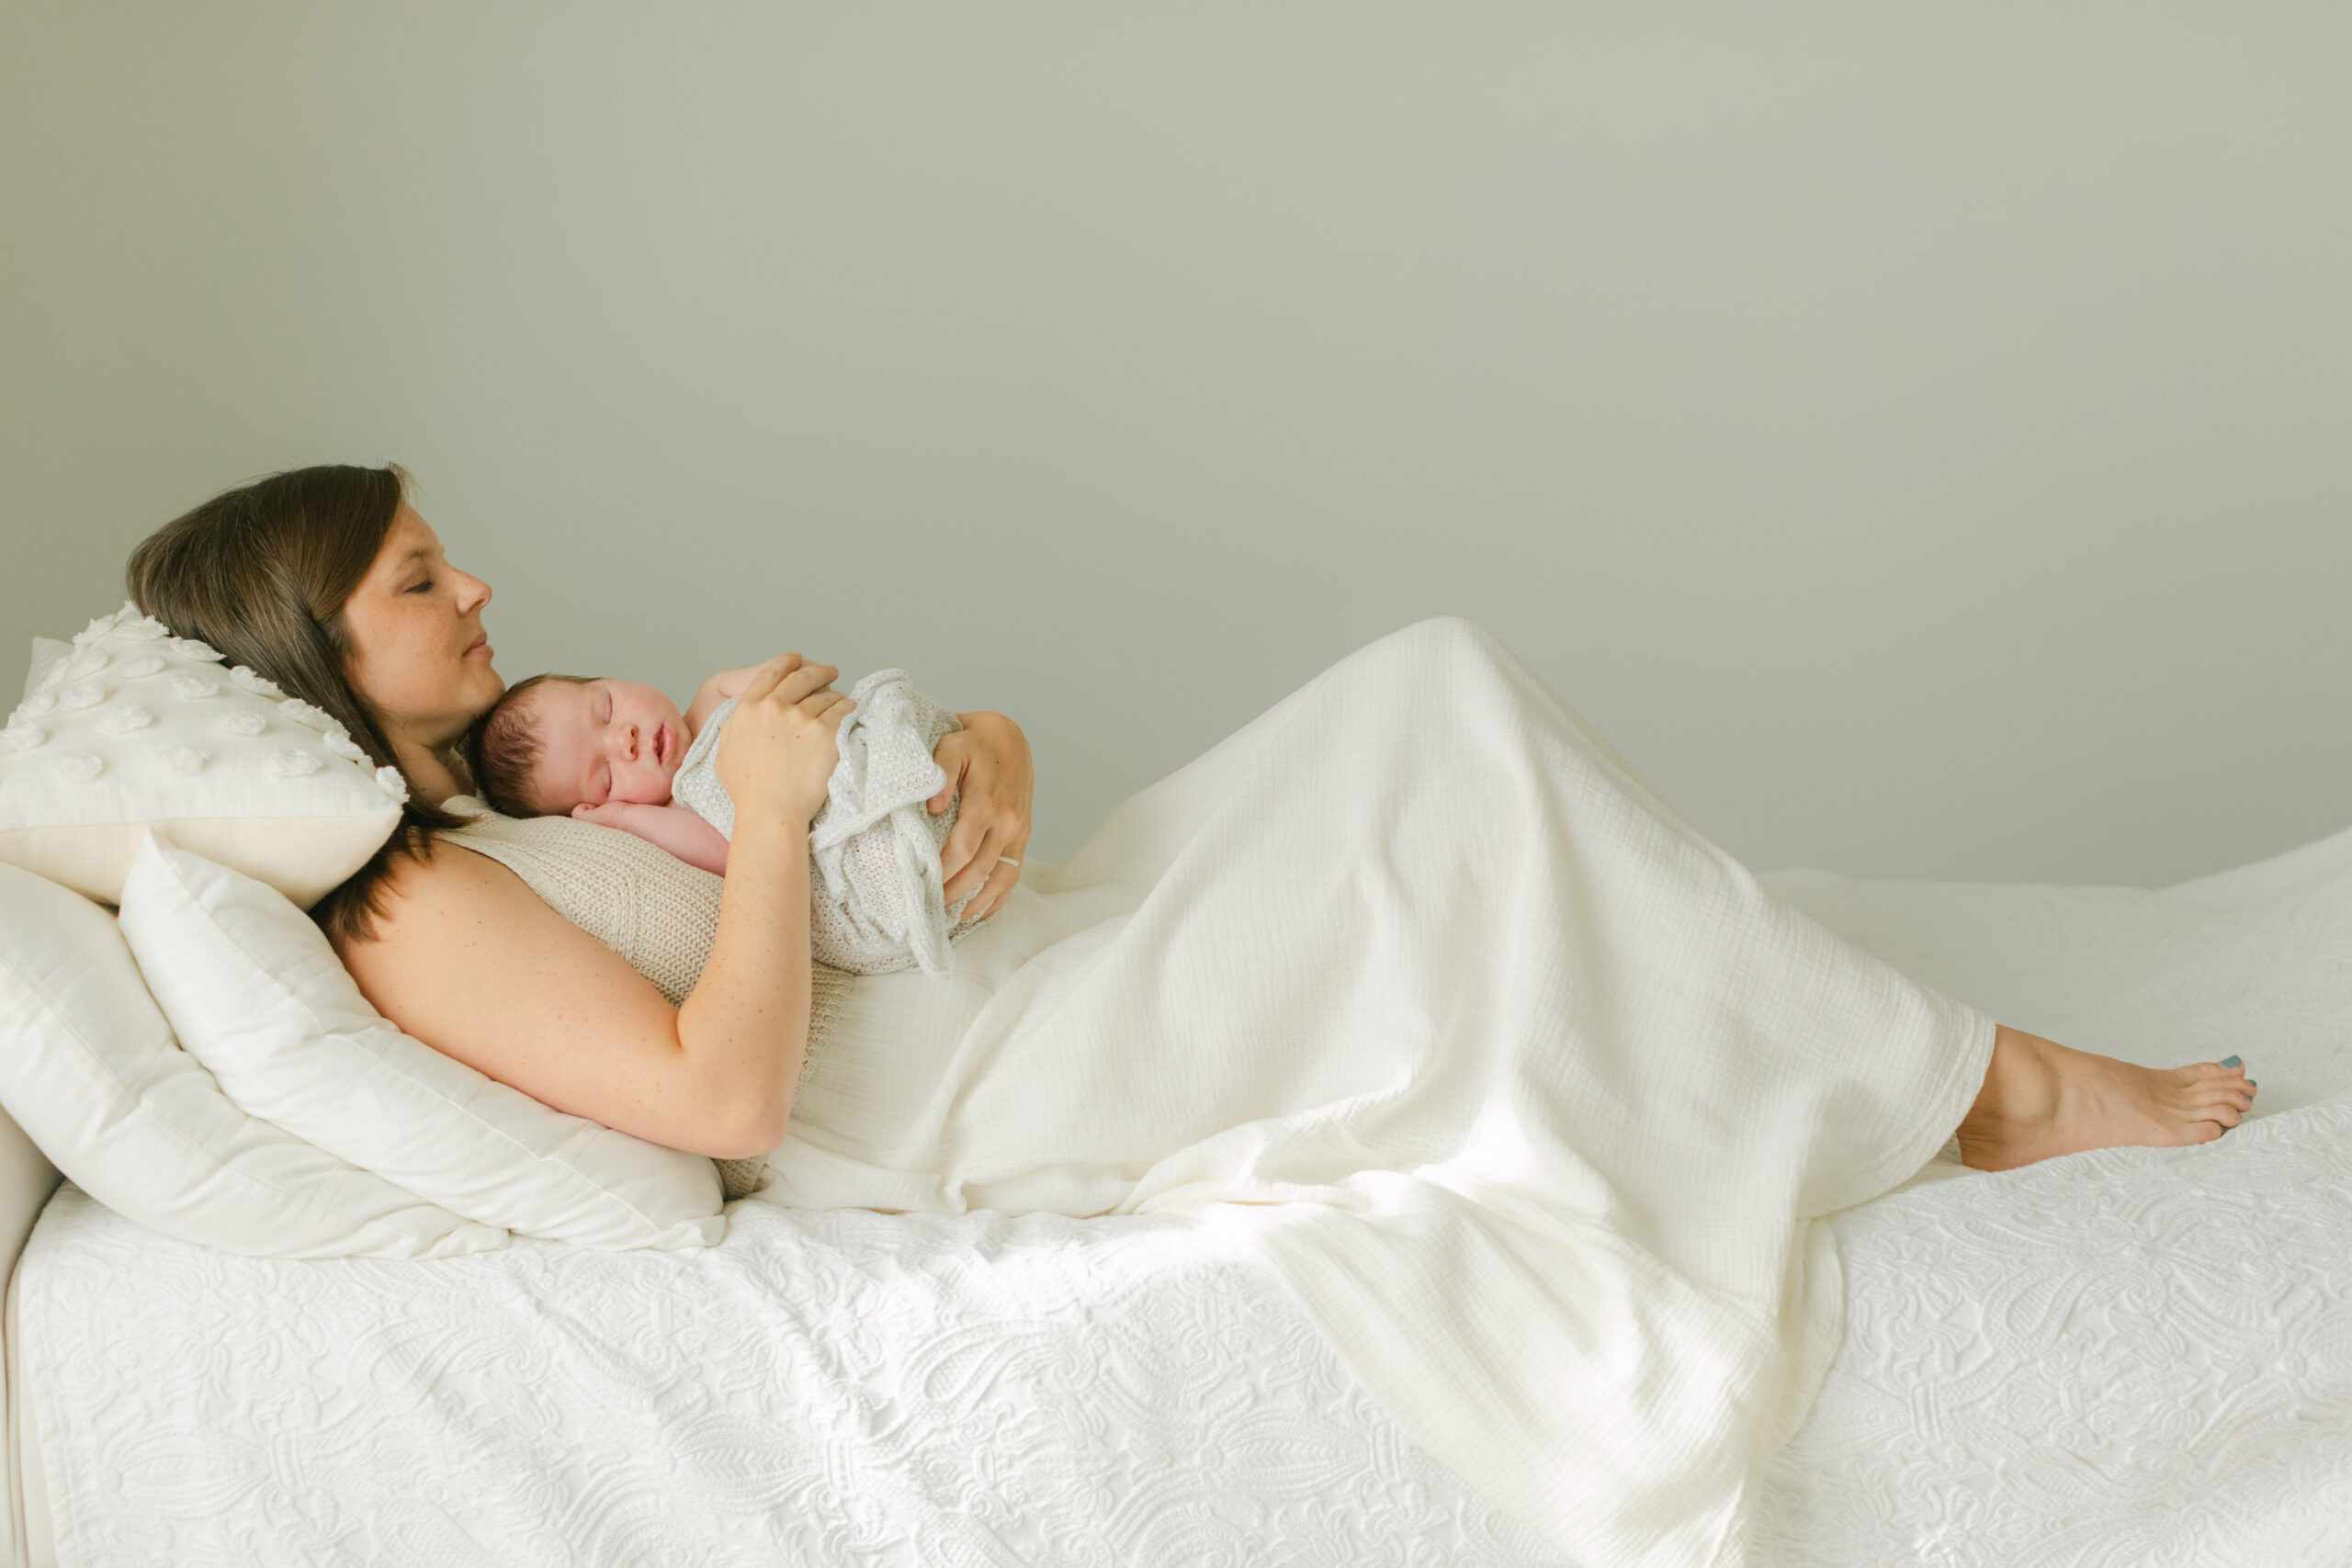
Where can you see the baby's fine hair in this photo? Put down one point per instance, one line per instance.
(502, 747)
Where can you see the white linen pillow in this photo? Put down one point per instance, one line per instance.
(135, 727)
(258, 996)
(89, 1070)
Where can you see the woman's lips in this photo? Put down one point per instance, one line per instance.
(481, 646)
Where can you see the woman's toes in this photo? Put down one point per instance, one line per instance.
(2205, 1132)
(2228, 1111)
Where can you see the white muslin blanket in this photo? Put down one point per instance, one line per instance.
(878, 902)
(1412, 992)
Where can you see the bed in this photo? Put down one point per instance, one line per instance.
(2132, 1356)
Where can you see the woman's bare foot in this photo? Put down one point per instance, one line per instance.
(2041, 1098)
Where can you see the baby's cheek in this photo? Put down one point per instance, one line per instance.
(650, 788)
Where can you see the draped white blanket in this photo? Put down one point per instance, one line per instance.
(1414, 991)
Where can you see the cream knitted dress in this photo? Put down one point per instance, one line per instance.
(645, 904)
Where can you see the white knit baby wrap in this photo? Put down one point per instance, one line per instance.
(878, 902)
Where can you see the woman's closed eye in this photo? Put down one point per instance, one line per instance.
(422, 587)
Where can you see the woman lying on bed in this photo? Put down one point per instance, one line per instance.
(1413, 955)
(327, 577)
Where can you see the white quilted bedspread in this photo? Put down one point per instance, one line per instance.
(2132, 1356)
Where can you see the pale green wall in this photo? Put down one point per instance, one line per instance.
(1914, 436)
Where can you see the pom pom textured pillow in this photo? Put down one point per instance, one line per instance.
(258, 996)
(46, 651)
(89, 1070)
(135, 727)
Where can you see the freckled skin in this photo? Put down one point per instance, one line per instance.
(418, 652)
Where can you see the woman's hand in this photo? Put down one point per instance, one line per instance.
(986, 764)
(782, 743)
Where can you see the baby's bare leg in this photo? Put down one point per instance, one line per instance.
(2041, 1099)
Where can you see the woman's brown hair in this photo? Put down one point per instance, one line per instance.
(262, 573)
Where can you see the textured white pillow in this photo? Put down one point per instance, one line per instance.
(47, 650)
(89, 1070)
(135, 727)
(260, 998)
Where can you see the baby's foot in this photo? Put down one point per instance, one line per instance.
(2041, 1099)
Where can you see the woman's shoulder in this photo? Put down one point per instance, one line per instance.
(446, 878)
(440, 909)
(655, 911)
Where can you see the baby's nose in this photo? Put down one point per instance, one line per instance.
(627, 741)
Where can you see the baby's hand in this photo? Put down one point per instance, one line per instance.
(671, 828)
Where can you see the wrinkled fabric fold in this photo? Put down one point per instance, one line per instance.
(1412, 990)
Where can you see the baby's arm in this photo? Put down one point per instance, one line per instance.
(671, 828)
(718, 689)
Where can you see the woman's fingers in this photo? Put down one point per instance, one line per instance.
(990, 830)
(954, 760)
(789, 675)
(765, 678)
(965, 869)
(780, 748)
(822, 701)
(991, 868)
(994, 889)
(796, 686)
(807, 681)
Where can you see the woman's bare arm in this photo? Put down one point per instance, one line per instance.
(471, 962)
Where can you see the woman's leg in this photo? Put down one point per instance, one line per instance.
(2041, 1099)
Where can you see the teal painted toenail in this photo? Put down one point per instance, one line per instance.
(2231, 1062)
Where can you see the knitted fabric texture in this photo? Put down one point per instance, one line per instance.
(876, 897)
(653, 908)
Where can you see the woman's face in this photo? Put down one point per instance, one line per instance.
(418, 655)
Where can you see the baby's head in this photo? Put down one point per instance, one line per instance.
(556, 741)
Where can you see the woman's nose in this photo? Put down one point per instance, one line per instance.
(472, 593)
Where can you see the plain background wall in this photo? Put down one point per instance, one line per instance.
(1916, 436)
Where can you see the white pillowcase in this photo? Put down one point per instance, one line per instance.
(258, 995)
(47, 650)
(89, 1070)
(134, 726)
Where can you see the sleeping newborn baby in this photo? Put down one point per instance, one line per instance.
(621, 754)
